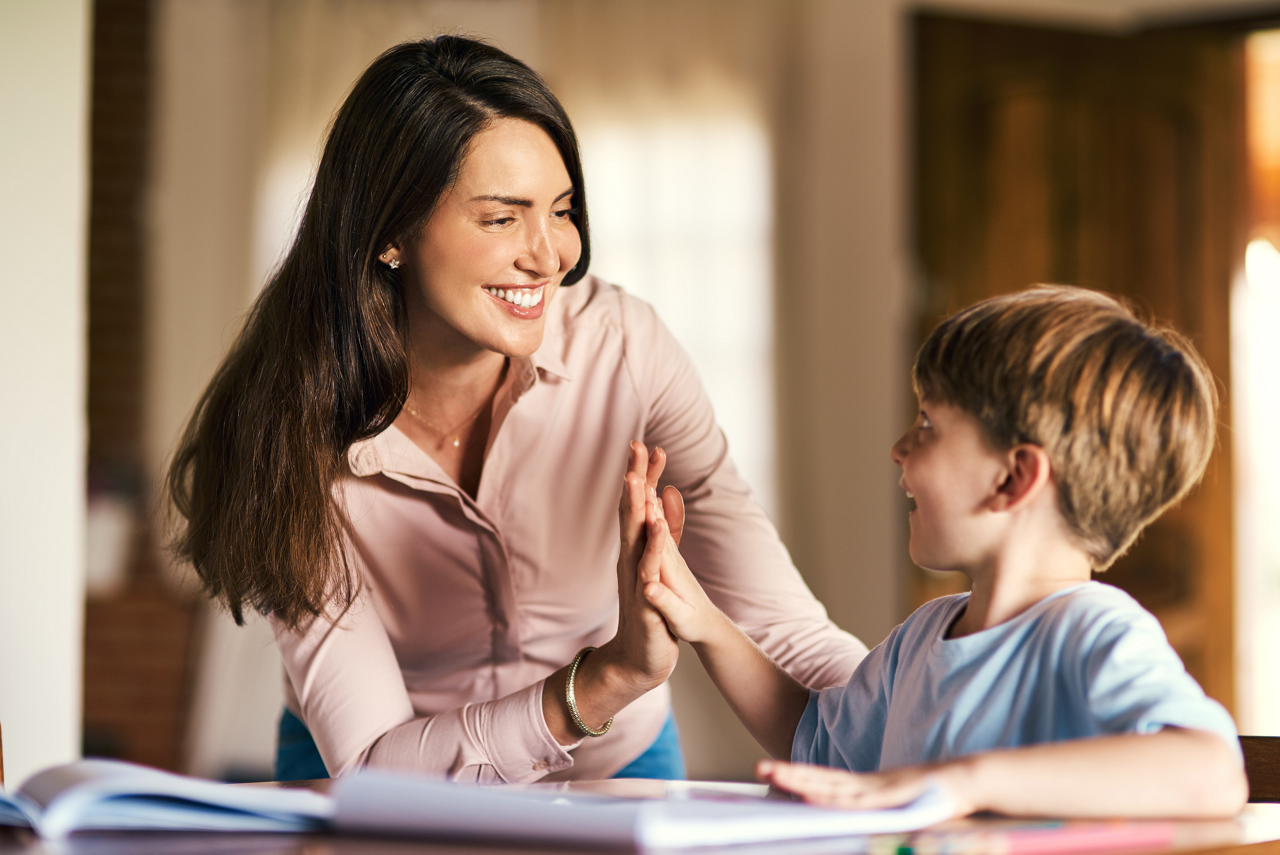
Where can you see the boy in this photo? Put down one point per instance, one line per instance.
(1053, 427)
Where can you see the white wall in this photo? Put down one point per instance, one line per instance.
(44, 55)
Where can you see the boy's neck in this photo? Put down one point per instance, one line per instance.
(1013, 583)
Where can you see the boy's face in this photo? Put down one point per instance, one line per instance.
(952, 472)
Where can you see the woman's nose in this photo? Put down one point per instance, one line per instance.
(540, 255)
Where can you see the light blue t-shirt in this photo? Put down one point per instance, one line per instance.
(1085, 661)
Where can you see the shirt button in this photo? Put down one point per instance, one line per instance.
(539, 765)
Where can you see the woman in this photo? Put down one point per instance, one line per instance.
(409, 459)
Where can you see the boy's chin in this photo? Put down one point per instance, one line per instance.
(928, 561)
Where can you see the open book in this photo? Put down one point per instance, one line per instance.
(109, 794)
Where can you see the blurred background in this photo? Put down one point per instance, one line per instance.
(803, 188)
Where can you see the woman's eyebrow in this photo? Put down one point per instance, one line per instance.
(513, 200)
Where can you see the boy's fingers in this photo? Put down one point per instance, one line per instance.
(838, 788)
(651, 559)
(662, 598)
(673, 510)
(802, 776)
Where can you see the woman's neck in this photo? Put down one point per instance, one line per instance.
(449, 375)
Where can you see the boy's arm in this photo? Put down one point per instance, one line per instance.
(768, 700)
(1173, 773)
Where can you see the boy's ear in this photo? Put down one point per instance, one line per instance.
(1026, 476)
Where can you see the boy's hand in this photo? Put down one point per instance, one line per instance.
(836, 788)
(671, 588)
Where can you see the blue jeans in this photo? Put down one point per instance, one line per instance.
(298, 759)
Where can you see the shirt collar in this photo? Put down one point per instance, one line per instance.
(389, 450)
(547, 357)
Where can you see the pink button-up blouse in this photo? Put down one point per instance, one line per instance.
(466, 605)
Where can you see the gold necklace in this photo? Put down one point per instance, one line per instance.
(456, 431)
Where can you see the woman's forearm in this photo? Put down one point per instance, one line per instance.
(1173, 773)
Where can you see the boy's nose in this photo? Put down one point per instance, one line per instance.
(898, 451)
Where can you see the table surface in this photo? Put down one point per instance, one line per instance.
(1254, 832)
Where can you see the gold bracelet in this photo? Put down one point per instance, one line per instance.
(573, 706)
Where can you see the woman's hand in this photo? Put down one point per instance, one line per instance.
(643, 653)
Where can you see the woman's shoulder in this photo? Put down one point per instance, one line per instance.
(595, 321)
(594, 303)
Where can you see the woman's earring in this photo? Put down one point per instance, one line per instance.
(393, 263)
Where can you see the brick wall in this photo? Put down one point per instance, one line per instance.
(138, 642)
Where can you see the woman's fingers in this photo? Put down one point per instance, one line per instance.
(656, 463)
(638, 459)
(632, 509)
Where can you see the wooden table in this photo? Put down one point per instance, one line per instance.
(1255, 832)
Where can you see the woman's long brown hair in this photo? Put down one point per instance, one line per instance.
(322, 361)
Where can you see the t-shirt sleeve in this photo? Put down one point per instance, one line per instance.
(729, 542)
(843, 726)
(1134, 682)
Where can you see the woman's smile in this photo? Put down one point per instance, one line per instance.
(521, 301)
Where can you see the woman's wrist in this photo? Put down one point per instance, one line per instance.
(602, 687)
(616, 677)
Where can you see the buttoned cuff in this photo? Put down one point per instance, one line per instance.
(523, 749)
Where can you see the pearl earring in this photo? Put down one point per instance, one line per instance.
(393, 263)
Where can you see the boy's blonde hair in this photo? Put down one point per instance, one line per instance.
(1126, 411)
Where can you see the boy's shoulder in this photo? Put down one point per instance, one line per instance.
(1079, 618)
(1095, 605)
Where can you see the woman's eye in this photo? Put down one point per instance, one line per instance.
(566, 213)
(499, 221)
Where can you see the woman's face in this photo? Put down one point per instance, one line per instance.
(497, 246)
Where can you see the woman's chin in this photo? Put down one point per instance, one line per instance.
(516, 344)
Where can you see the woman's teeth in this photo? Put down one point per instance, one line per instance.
(523, 299)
